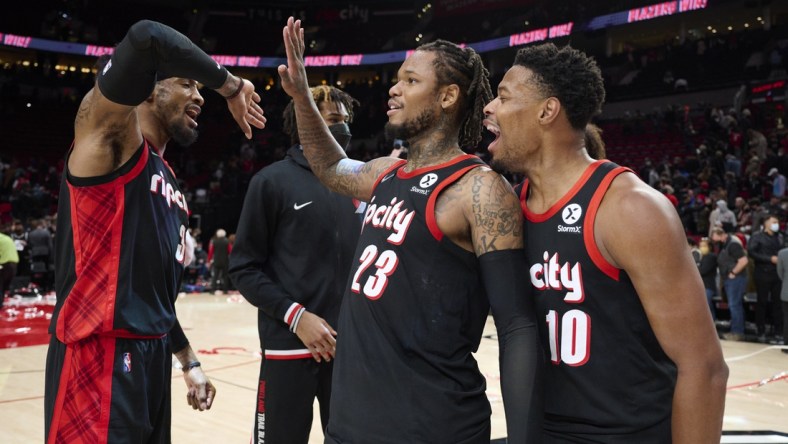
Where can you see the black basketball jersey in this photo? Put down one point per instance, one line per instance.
(607, 376)
(120, 249)
(411, 317)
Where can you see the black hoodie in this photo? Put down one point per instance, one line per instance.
(294, 245)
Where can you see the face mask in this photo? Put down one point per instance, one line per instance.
(704, 250)
(341, 133)
(775, 227)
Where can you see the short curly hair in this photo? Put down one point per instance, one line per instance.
(569, 75)
(321, 93)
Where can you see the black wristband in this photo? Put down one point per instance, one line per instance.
(191, 365)
(237, 90)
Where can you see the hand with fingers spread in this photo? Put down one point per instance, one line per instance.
(245, 108)
(293, 75)
(318, 336)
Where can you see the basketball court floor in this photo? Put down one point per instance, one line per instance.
(223, 330)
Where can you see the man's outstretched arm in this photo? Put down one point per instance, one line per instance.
(327, 159)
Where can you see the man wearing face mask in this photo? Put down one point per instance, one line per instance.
(763, 248)
(293, 251)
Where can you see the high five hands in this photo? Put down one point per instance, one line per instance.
(246, 110)
(293, 75)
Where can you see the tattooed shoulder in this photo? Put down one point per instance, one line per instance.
(497, 220)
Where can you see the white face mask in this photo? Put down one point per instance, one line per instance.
(775, 227)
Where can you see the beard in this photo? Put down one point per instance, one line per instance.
(412, 128)
(182, 134)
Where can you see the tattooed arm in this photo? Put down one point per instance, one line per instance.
(496, 228)
(493, 212)
(325, 156)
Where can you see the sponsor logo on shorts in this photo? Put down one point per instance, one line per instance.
(413, 189)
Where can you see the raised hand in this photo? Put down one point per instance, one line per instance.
(293, 75)
(245, 109)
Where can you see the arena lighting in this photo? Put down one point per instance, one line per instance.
(382, 58)
(645, 13)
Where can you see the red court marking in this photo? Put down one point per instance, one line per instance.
(782, 377)
(24, 321)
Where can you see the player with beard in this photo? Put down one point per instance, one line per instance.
(122, 242)
(634, 352)
(441, 244)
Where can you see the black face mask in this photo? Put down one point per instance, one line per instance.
(341, 133)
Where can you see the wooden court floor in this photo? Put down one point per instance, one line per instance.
(224, 331)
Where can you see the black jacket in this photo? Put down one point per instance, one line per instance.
(294, 243)
(761, 248)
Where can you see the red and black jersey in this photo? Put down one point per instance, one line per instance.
(412, 316)
(120, 248)
(608, 378)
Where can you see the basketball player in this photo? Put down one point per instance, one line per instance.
(634, 353)
(292, 256)
(121, 242)
(441, 243)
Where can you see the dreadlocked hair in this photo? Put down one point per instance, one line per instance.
(463, 67)
(595, 146)
(321, 93)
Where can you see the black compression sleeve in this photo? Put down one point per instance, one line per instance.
(150, 48)
(505, 275)
(178, 340)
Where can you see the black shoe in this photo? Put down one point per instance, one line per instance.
(785, 350)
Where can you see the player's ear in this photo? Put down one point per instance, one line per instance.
(551, 107)
(449, 96)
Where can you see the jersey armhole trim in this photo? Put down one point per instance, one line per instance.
(121, 176)
(588, 235)
(432, 224)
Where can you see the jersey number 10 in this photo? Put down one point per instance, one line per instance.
(575, 337)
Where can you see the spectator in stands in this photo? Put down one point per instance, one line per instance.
(763, 248)
(743, 215)
(707, 266)
(757, 143)
(782, 271)
(732, 264)
(778, 183)
(19, 234)
(41, 251)
(758, 213)
(218, 260)
(9, 258)
(722, 217)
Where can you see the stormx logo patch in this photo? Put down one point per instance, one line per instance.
(571, 214)
(428, 180)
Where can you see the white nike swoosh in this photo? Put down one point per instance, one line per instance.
(387, 177)
(298, 207)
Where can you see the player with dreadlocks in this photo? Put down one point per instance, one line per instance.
(441, 245)
(291, 259)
